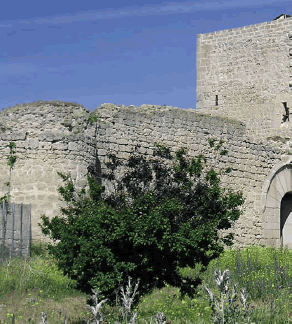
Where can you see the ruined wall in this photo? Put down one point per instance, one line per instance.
(249, 69)
(49, 137)
(64, 137)
(120, 129)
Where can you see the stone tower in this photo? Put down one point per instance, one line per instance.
(246, 74)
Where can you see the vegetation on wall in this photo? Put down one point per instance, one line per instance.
(7, 197)
(92, 119)
(11, 161)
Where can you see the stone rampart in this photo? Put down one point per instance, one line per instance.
(50, 138)
(120, 129)
(66, 137)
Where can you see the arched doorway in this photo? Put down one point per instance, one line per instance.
(277, 205)
(286, 220)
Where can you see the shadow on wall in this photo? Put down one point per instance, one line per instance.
(286, 220)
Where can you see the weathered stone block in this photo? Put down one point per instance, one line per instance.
(101, 152)
(32, 144)
(60, 146)
(72, 146)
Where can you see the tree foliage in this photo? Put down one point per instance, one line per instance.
(163, 214)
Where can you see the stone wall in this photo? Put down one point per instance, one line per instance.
(249, 69)
(66, 137)
(119, 129)
(50, 137)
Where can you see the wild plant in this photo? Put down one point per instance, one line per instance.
(95, 310)
(125, 306)
(276, 309)
(6, 199)
(225, 308)
(11, 161)
(264, 274)
(127, 302)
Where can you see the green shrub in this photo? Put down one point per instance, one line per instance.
(163, 215)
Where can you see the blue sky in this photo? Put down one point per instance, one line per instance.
(114, 51)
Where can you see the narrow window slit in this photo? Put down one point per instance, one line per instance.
(287, 113)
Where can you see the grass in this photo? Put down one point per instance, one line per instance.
(34, 288)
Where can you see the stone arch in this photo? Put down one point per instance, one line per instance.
(277, 202)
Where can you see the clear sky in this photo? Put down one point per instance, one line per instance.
(113, 51)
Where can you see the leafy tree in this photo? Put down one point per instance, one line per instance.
(162, 214)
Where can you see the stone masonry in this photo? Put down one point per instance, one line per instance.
(246, 74)
(57, 136)
(48, 138)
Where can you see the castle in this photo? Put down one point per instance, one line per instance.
(244, 84)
